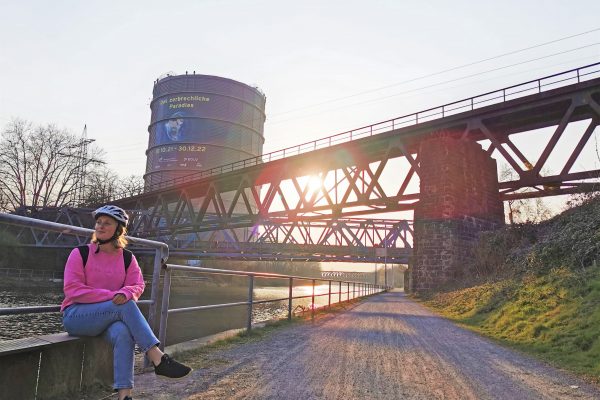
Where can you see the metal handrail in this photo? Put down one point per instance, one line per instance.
(160, 256)
(364, 289)
(31, 273)
(471, 103)
(46, 309)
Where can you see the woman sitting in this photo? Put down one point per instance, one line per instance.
(100, 296)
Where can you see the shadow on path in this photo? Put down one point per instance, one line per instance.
(387, 347)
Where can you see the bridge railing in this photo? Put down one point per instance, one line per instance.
(161, 255)
(359, 289)
(31, 273)
(536, 86)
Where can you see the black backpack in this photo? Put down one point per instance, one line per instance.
(85, 251)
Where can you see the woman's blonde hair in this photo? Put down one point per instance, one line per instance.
(120, 242)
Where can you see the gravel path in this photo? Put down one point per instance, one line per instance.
(386, 347)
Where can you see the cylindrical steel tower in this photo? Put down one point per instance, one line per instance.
(199, 122)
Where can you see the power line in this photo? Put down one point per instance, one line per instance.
(439, 83)
(435, 73)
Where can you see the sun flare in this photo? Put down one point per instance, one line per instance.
(314, 183)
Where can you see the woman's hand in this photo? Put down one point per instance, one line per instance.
(119, 299)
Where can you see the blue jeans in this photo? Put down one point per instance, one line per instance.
(121, 325)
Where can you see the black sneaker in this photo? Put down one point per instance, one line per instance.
(170, 368)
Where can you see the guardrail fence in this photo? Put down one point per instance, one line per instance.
(359, 289)
(158, 318)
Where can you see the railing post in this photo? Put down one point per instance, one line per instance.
(164, 310)
(329, 296)
(348, 291)
(340, 293)
(250, 300)
(152, 315)
(312, 309)
(290, 299)
(353, 290)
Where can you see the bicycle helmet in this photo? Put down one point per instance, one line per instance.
(112, 211)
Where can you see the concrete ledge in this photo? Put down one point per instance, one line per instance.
(54, 366)
(29, 344)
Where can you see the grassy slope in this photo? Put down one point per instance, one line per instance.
(544, 297)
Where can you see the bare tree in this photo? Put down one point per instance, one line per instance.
(102, 186)
(524, 210)
(131, 185)
(39, 165)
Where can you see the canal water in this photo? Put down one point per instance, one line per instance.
(184, 293)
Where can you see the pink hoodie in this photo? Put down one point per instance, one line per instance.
(101, 279)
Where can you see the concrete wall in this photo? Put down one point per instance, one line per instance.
(54, 367)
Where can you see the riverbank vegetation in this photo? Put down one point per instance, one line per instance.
(536, 287)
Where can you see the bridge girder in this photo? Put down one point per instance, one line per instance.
(352, 170)
(350, 175)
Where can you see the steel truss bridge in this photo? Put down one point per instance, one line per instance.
(353, 240)
(314, 201)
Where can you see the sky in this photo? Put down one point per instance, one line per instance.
(325, 66)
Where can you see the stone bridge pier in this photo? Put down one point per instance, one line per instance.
(458, 199)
